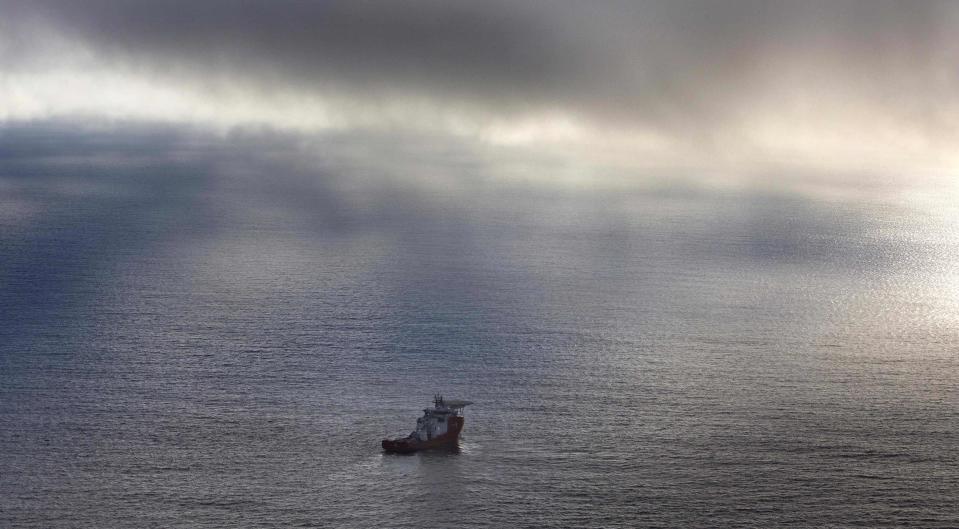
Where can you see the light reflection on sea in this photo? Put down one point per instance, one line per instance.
(204, 347)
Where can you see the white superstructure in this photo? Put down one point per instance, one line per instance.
(435, 421)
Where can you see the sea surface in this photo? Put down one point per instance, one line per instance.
(218, 331)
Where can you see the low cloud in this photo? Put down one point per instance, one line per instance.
(844, 85)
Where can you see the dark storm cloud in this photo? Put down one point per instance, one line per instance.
(669, 64)
(367, 47)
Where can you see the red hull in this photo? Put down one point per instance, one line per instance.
(407, 445)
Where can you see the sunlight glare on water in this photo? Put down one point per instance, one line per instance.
(204, 351)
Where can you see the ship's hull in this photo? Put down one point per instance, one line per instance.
(407, 445)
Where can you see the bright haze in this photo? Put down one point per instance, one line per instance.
(694, 262)
(840, 85)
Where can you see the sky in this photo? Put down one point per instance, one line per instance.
(616, 90)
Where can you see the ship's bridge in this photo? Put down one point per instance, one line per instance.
(443, 406)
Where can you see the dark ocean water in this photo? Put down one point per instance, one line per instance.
(201, 335)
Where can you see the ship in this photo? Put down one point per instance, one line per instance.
(439, 426)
